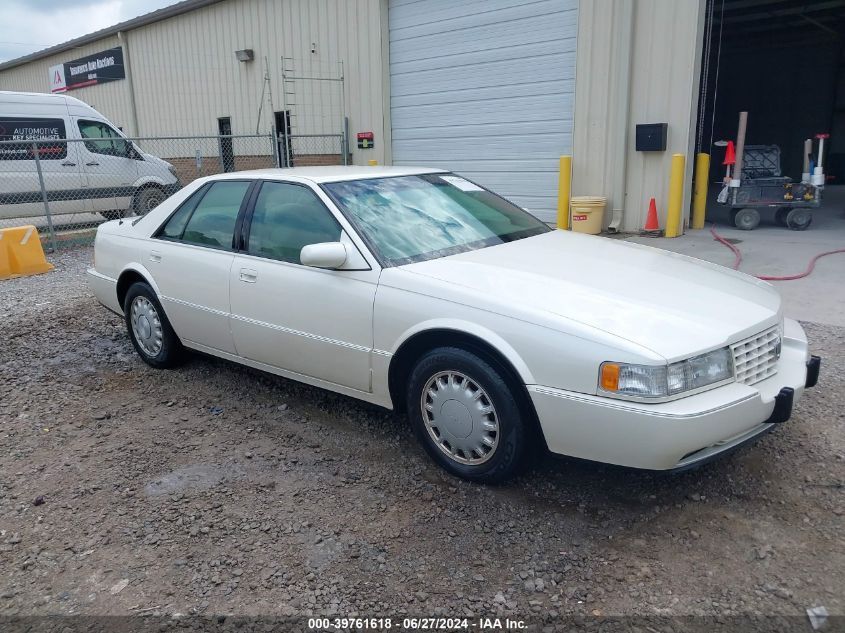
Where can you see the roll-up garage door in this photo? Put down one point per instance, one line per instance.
(485, 88)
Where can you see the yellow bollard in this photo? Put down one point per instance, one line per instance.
(699, 191)
(564, 189)
(372, 162)
(676, 197)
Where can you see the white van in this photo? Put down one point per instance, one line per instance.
(101, 173)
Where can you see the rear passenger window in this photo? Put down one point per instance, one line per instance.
(211, 220)
(176, 224)
(18, 133)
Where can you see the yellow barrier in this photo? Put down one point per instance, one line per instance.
(21, 253)
(372, 163)
(564, 190)
(699, 195)
(674, 226)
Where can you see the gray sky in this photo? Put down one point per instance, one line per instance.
(30, 25)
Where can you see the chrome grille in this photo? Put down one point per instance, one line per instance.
(756, 358)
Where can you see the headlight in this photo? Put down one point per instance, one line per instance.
(172, 170)
(661, 381)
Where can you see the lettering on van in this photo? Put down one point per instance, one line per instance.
(17, 135)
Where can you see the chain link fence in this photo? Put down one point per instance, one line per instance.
(67, 187)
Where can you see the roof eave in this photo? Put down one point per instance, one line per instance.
(142, 20)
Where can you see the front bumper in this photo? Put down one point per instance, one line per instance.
(681, 433)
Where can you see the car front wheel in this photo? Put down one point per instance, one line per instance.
(464, 413)
(150, 331)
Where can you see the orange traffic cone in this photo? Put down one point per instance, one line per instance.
(730, 154)
(651, 225)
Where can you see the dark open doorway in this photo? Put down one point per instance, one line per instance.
(283, 140)
(227, 150)
(783, 62)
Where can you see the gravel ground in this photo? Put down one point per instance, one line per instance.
(216, 489)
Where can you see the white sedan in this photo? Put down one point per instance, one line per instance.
(420, 291)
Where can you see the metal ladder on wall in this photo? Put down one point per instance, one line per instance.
(302, 118)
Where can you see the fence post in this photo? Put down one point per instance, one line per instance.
(44, 196)
(274, 143)
(344, 142)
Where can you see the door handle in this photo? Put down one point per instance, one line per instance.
(68, 163)
(155, 256)
(93, 163)
(249, 275)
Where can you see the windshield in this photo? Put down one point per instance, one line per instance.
(410, 219)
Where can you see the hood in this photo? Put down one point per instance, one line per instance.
(671, 304)
(155, 160)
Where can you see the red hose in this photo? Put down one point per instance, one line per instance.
(738, 259)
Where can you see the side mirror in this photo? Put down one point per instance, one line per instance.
(324, 255)
(131, 152)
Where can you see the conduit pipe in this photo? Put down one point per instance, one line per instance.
(621, 77)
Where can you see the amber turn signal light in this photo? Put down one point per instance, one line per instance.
(610, 376)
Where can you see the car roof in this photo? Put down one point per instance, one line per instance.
(330, 174)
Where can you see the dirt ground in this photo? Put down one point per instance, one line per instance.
(216, 489)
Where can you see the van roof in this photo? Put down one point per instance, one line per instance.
(61, 98)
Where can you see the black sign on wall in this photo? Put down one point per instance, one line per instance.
(94, 69)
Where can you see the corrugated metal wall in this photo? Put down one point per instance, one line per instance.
(112, 99)
(185, 73)
(485, 88)
(664, 60)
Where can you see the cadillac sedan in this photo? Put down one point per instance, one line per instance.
(420, 291)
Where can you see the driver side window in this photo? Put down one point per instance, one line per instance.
(102, 139)
(286, 218)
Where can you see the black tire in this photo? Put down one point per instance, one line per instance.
(148, 199)
(507, 457)
(170, 351)
(799, 219)
(780, 216)
(746, 219)
(145, 201)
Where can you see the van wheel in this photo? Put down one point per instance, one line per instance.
(145, 201)
(148, 199)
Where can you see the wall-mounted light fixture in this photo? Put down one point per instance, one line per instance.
(246, 55)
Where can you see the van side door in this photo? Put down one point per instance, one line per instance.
(20, 188)
(108, 163)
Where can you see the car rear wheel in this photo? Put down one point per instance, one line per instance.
(149, 330)
(464, 413)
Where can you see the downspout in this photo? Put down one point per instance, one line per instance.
(127, 68)
(621, 78)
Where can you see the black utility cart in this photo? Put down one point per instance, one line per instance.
(763, 188)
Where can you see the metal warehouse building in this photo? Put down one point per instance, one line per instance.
(494, 89)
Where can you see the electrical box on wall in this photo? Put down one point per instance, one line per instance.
(365, 140)
(651, 137)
